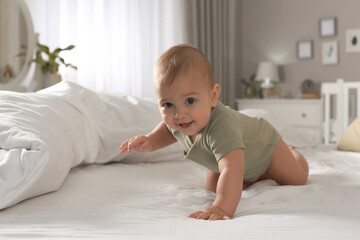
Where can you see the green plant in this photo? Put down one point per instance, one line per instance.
(251, 81)
(250, 87)
(50, 61)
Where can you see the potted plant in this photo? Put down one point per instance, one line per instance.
(250, 87)
(50, 62)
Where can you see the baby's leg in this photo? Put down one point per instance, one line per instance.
(301, 159)
(287, 167)
(248, 184)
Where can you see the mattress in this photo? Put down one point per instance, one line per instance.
(152, 200)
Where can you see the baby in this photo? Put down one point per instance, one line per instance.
(238, 150)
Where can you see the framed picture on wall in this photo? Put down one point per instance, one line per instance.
(353, 40)
(327, 27)
(304, 49)
(329, 53)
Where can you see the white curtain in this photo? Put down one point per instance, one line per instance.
(117, 41)
(211, 28)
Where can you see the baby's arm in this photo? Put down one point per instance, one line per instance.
(160, 137)
(228, 188)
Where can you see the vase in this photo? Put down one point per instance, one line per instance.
(250, 92)
(51, 79)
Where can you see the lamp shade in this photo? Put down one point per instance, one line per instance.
(268, 73)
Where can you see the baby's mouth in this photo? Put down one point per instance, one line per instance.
(185, 125)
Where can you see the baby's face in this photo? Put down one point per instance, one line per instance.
(186, 104)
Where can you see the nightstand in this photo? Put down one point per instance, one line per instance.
(303, 114)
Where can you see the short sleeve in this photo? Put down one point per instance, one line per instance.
(224, 138)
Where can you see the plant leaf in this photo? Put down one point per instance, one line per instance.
(52, 62)
(252, 77)
(69, 47)
(44, 48)
(58, 50)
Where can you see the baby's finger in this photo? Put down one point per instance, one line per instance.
(136, 140)
(226, 218)
(215, 216)
(195, 214)
(134, 143)
(124, 146)
(204, 215)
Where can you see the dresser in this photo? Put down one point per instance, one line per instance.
(303, 114)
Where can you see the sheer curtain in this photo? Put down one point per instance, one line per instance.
(117, 41)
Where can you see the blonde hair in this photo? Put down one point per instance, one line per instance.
(179, 59)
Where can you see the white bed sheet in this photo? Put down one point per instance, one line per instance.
(152, 200)
(45, 134)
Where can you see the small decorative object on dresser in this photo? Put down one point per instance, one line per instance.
(268, 74)
(250, 87)
(309, 90)
(51, 62)
(51, 79)
(272, 92)
(6, 76)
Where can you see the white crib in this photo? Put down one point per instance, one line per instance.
(342, 99)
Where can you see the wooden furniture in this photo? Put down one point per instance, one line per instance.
(303, 114)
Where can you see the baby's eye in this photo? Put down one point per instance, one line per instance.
(167, 105)
(190, 101)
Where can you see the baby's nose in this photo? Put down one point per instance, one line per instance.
(180, 114)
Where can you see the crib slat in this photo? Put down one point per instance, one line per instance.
(358, 102)
(340, 118)
(345, 111)
(327, 119)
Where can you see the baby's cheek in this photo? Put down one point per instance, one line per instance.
(167, 119)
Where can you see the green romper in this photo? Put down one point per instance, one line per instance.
(226, 131)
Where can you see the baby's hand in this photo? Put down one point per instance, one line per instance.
(210, 213)
(138, 144)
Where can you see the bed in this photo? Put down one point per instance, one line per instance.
(74, 184)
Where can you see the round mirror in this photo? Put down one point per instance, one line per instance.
(17, 43)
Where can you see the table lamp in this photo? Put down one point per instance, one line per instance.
(267, 73)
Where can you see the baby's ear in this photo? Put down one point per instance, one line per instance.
(215, 92)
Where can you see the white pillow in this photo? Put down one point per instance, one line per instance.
(127, 116)
(350, 140)
(120, 116)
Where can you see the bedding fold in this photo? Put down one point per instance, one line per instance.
(41, 137)
(45, 134)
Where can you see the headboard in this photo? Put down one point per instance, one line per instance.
(343, 109)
